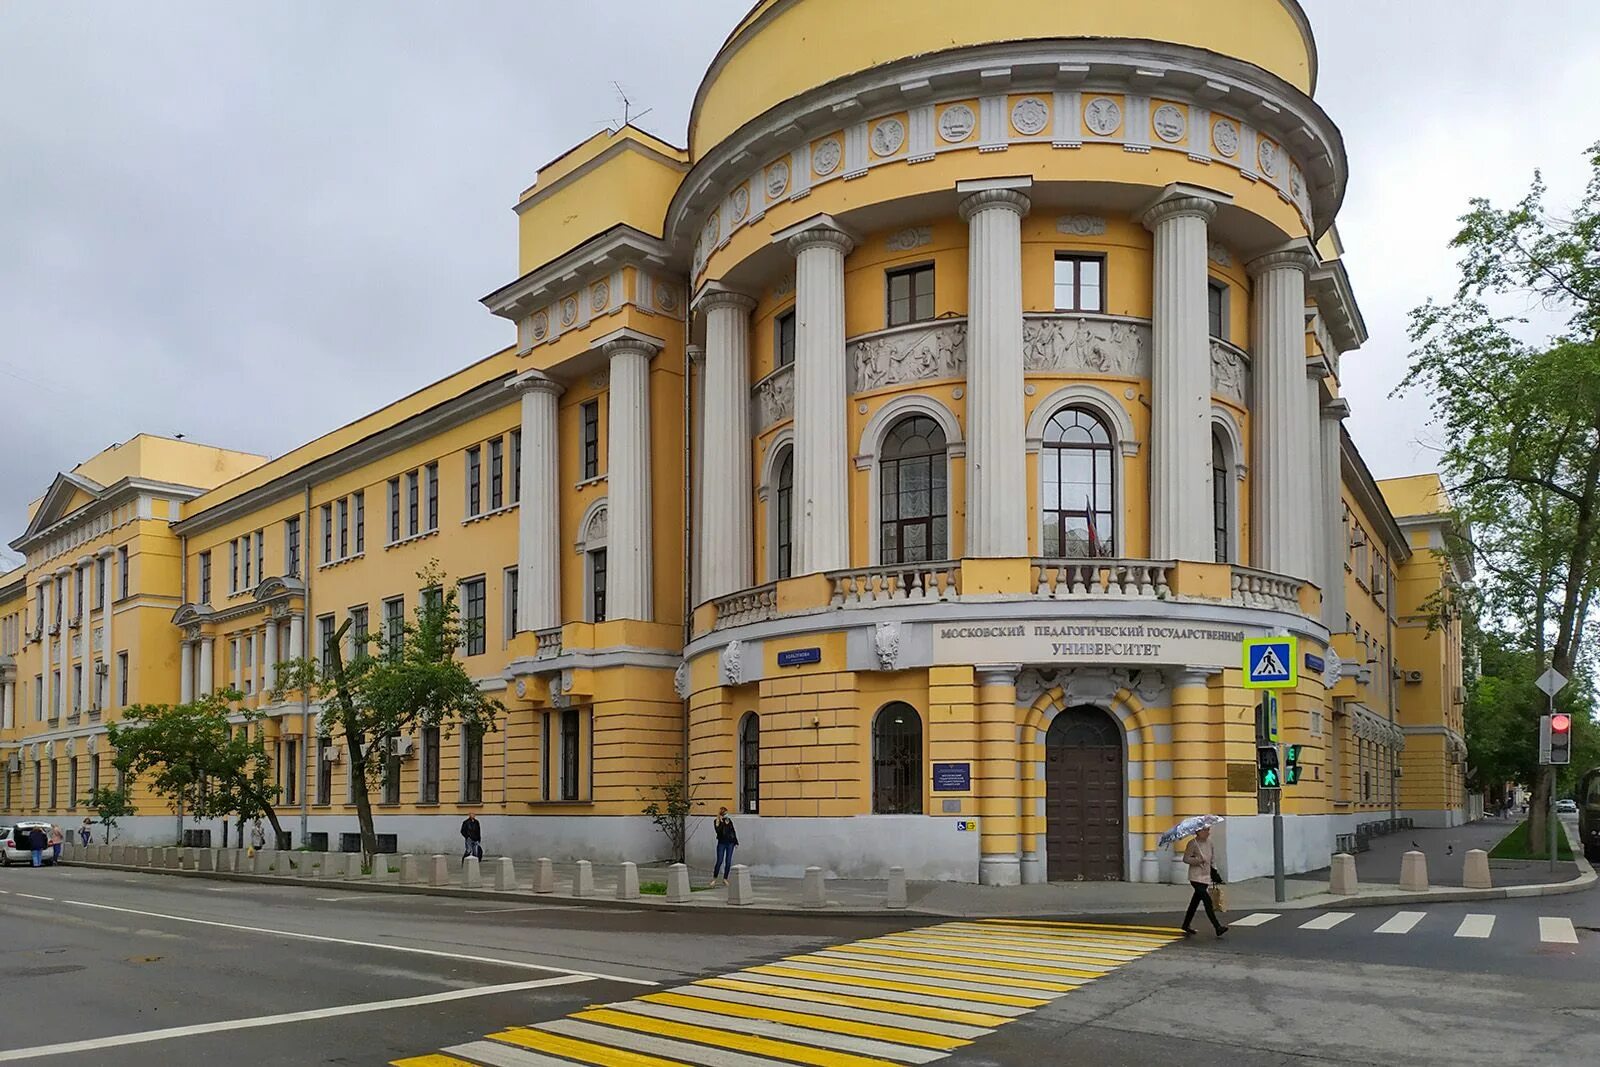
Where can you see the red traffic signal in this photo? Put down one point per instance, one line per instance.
(1560, 722)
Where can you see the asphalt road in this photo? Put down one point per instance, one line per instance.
(147, 969)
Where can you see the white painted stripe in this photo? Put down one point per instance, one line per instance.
(836, 1011)
(666, 1048)
(958, 970)
(798, 1035)
(1001, 954)
(1401, 923)
(35, 896)
(1327, 920)
(1032, 935)
(877, 950)
(820, 985)
(877, 973)
(497, 1055)
(1557, 930)
(460, 956)
(147, 1036)
(1260, 918)
(1479, 926)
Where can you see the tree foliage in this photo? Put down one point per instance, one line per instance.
(393, 685)
(111, 805)
(670, 809)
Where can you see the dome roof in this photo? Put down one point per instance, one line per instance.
(783, 48)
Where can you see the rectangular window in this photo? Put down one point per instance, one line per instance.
(38, 698)
(361, 522)
(1080, 284)
(413, 504)
(394, 623)
(324, 771)
(205, 577)
(544, 757)
(325, 640)
(55, 695)
(591, 439)
(72, 783)
(474, 481)
(291, 772)
(429, 770)
(247, 657)
(474, 618)
(391, 773)
(569, 754)
(512, 577)
(497, 480)
(394, 510)
(516, 466)
(233, 566)
(94, 773)
(433, 496)
(77, 687)
(1217, 309)
(597, 585)
(783, 340)
(122, 679)
(99, 582)
(291, 547)
(122, 570)
(358, 631)
(344, 528)
(54, 782)
(327, 533)
(910, 295)
(472, 765)
(261, 555)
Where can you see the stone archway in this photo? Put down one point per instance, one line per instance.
(1084, 797)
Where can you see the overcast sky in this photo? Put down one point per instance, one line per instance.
(250, 224)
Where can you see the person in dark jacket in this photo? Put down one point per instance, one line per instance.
(472, 837)
(727, 841)
(37, 844)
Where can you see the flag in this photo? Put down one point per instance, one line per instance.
(1095, 548)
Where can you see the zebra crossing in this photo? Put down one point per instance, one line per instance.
(1552, 930)
(910, 997)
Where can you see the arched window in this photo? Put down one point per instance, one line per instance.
(1078, 507)
(783, 507)
(749, 764)
(913, 502)
(897, 761)
(1221, 520)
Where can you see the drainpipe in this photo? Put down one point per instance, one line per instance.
(688, 520)
(1394, 703)
(305, 653)
(183, 598)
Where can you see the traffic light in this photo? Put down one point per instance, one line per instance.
(1560, 739)
(1291, 765)
(1267, 773)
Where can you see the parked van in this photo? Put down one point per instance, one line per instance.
(1589, 814)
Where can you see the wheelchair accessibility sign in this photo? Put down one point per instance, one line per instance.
(1271, 663)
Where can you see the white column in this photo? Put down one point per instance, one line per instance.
(1281, 479)
(109, 648)
(296, 637)
(269, 657)
(8, 701)
(48, 671)
(1180, 386)
(539, 514)
(821, 426)
(997, 494)
(629, 593)
(207, 655)
(727, 528)
(258, 670)
(186, 673)
(1334, 545)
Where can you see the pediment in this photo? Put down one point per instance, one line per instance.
(276, 587)
(68, 493)
(189, 614)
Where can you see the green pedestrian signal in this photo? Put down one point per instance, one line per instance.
(1268, 775)
(1291, 765)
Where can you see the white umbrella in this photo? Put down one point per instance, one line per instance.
(1189, 827)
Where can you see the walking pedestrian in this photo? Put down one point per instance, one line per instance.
(1202, 875)
(56, 838)
(471, 837)
(36, 844)
(727, 841)
(258, 838)
(84, 833)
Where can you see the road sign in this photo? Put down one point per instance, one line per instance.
(1551, 682)
(1271, 663)
(1269, 715)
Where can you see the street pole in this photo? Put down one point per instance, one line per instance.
(1279, 891)
(1551, 817)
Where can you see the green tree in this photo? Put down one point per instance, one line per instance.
(1522, 435)
(393, 685)
(206, 757)
(111, 805)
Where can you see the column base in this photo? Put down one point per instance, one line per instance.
(999, 870)
(1150, 868)
(1177, 870)
(1033, 872)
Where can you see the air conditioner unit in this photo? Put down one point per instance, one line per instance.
(402, 746)
(1413, 677)
(332, 754)
(102, 668)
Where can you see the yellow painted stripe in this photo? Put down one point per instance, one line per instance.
(939, 957)
(438, 1059)
(889, 1007)
(1049, 939)
(758, 1046)
(582, 1051)
(1171, 932)
(903, 987)
(980, 950)
(815, 1022)
(974, 977)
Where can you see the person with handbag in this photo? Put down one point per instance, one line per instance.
(1202, 875)
(727, 841)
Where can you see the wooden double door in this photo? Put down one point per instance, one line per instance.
(1084, 797)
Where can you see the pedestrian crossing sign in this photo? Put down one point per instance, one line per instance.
(1271, 663)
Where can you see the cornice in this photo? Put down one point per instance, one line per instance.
(109, 498)
(1365, 489)
(620, 246)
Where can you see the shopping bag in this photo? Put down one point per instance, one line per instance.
(1219, 898)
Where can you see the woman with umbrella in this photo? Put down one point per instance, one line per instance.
(1201, 872)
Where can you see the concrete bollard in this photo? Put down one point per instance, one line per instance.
(1414, 872)
(190, 860)
(308, 864)
(678, 884)
(583, 881)
(206, 859)
(380, 868)
(438, 870)
(896, 897)
(544, 876)
(813, 893)
(116, 852)
(410, 869)
(739, 893)
(504, 874)
(1342, 876)
(628, 882)
(1475, 871)
(227, 861)
(471, 873)
(172, 858)
(352, 865)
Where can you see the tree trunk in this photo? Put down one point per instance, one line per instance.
(277, 828)
(355, 738)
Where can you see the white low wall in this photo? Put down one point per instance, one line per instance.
(1244, 844)
(861, 846)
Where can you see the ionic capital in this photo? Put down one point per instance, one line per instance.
(995, 200)
(1337, 409)
(717, 299)
(1297, 257)
(1180, 207)
(534, 381)
(821, 237)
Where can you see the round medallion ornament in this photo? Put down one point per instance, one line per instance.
(522, 687)
(825, 160)
(1268, 154)
(541, 325)
(1225, 135)
(1029, 116)
(777, 179)
(599, 296)
(1103, 115)
(1170, 123)
(1297, 182)
(957, 123)
(712, 231)
(666, 298)
(887, 138)
(569, 311)
(741, 203)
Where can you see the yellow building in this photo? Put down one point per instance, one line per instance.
(907, 458)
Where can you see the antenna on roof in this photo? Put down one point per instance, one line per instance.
(628, 116)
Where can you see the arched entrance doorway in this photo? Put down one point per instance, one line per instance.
(1084, 797)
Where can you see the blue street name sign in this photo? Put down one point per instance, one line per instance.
(1315, 664)
(796, 656)
(1271, 663)
(952, 777)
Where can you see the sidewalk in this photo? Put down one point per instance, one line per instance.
(1447, 850)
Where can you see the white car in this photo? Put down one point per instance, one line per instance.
(14, 843)
(1567, 807)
